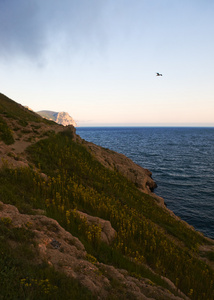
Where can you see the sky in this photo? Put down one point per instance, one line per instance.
(97, 60)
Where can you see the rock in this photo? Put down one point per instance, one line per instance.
(67, 254)
(55, 244)
(65, 119)
(62, 118)
(108, 233)
(141, 177)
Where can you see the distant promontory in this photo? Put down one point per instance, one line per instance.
(62, 118)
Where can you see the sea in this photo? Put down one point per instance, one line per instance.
(181, 160)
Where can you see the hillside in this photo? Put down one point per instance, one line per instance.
(82, 221)
(62, 118)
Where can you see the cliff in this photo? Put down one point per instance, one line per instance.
(82, 221)
(62, 118)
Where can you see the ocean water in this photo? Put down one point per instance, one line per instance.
(181, 161)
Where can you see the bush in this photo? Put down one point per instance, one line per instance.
(5, 133)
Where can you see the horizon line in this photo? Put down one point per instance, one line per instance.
(146, 125)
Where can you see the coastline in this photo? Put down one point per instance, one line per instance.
(180, 160)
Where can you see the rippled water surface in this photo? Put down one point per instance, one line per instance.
(180, 159)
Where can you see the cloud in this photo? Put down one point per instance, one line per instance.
(22, 29)
(30, 28)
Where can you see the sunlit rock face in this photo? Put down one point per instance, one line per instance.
(62, 118)
(65, 119)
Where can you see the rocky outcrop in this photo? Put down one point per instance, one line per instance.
(141, 177)
(65, 119)
(108, 233)
(67, 254)
(62, 118)
(117, 161)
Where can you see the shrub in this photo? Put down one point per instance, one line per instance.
(5, 133)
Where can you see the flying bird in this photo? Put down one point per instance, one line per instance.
(158, 74)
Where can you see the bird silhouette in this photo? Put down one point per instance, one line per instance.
(158, 74)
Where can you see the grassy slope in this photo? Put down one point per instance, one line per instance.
(146, 233)
(10, 110)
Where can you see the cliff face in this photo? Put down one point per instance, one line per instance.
(88, 213)
(65, 119)
(62, 118)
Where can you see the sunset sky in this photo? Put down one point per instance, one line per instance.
(97, 60)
